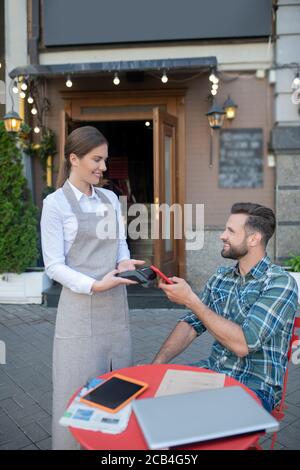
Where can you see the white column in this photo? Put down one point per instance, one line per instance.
(15, 43)
(287, 52)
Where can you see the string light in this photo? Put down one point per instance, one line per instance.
(213, 78)
(24, 86)
(36, 129)
(69, 82)
(147, 123)
(15, 88)
(116, 79)
(296, 82)
(22, 94)
(30, 99)
(214, 82)
(164, 77)
(33, 111)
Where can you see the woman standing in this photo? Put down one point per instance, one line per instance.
(92, 333)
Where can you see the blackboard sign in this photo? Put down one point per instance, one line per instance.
(241, 158)
(77, 22)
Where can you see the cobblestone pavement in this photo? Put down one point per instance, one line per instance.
(25, 379)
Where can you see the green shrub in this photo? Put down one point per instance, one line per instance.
(294, 264)
(18, 215)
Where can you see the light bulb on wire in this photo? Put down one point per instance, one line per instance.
(296, 82)
(69, 82)
(22, 94)
(33, 111)
(214, 92)
(213, 78)
(24, 86)
(36, 129)
(116, 79)
(15, 88)
(215, 86)
(30, 99)
(164, 77)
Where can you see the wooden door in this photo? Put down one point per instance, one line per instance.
(165, 149)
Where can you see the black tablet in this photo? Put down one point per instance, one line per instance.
(114, 393)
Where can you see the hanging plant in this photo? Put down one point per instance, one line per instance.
(47, 147)
(43, 150)
(25, 140)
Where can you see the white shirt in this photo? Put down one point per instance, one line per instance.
(58, 231)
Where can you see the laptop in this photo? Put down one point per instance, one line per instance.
(185, 418)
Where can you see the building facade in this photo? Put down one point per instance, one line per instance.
(162, 148)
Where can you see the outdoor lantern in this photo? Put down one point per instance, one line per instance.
(216, 116)
(12, 121)
(230, 108)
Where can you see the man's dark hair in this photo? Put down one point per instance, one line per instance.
(260, 219)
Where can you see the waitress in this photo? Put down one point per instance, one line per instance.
(92, 334)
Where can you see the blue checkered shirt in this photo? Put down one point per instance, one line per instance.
(264, 304)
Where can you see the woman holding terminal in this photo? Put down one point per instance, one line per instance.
(92, 333)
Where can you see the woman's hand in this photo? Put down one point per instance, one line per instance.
(109, 281)
(129, 264)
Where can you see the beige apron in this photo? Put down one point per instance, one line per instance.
(92, 333)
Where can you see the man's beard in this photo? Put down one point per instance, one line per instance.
(235, 252)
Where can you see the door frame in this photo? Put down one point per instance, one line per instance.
(173, 102)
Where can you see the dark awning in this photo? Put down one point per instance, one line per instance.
(36, 70)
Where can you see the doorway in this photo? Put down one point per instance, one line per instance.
(129, 171)
(155, 156)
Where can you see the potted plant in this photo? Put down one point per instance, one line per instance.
(18, 229)
(293, 264)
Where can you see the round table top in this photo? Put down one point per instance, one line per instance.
(132, 438)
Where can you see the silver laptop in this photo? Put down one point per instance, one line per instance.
(200, 416)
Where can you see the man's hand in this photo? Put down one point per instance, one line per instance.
(129, 264)
(180, 292)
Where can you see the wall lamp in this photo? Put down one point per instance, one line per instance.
(230, 108)
(215, 118)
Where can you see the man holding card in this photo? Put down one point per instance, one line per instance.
(248, 308)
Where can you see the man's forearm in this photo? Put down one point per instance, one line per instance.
(179, 339)
(228, 333)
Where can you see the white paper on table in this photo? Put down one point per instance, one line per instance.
(184, 381)
(82, 416)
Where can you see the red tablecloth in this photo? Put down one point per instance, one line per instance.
(133, 439)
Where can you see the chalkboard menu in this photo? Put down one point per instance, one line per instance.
(241, 158)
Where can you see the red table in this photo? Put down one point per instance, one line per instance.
(133, 439)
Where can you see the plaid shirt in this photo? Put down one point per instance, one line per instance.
(264, 304)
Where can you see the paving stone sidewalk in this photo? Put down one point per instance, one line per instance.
(25, 379)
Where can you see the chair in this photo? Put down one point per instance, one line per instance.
(279, 410)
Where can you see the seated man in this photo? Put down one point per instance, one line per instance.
(248, 308)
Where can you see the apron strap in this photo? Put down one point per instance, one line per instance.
(104, 199)
(69, 193)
